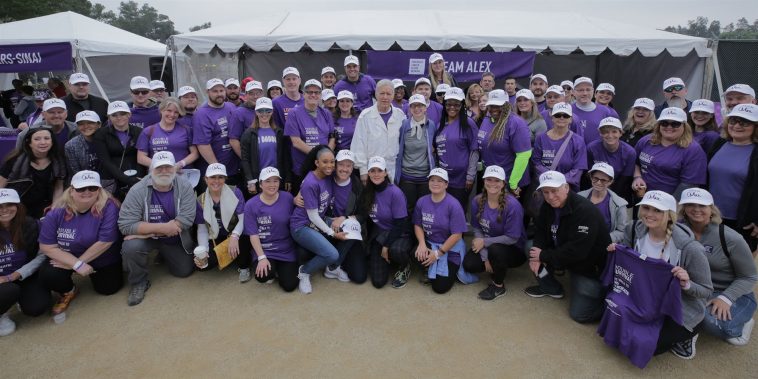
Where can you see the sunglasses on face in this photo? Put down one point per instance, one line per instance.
(140, 92)
(674, 88)
(561, 115)
(739, 120)
(89, 189)
(263, 111)
(670, 124)
(313, 92)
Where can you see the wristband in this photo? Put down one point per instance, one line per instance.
(638, 177)
(262, 257)
(78, 265)
(235, 236)
(436, 253)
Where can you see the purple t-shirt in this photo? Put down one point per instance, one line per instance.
(516, 139)
(345, 128)
(440, 221)
(511, 223)
(123, 137)
(622, 160)
(728, 171)
(93, 161)
(340, 198)
(605, 209)
(81, 231)
(63, 136)
(267, 148)
(11, 259)
(643, 293)
(210, 126)
(433, 112)
(162, 209)
(572, 163)
(313, 131)
(143, 117)
(186, 120)
(574, 127)
(664, 168)
(317, 194)
(282, 107)
(706, 139)
(363, 90)
(453, 150)
(589, 121)
(271, 224)
(388, 205)
(154, 139)
(242, 118)
(403, 106)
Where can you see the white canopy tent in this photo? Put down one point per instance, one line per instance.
(109, 55)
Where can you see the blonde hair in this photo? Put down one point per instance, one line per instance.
(532, 114)
(670, 223)
(725, 131)
(468, 95)
(66, 201)
(647, 126)
(172, 101)
(445, 78)
(715, 214)
(684, 141)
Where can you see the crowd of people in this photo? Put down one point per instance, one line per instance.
(356, 179)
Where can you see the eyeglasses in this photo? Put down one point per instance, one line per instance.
(452, 105)
(669, 124)
(595, 179)
(160, 90)
(739, 120)
(90, 189)
(567, 88)
(263, 111)
(677, 88)
(313, 92)
(140, 92)
(561, 115)
(120, 114)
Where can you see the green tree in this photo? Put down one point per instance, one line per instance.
(144, 20)
(15, 10)
(700, 28)
(200, 27)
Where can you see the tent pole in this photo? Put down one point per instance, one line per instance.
(717, 70)
(78, 56)
(174, 64)
(94, 78)
(165, 59)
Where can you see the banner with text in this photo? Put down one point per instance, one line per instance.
(36, 57)
(465, 66)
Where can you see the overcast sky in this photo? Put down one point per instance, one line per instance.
(656, 14)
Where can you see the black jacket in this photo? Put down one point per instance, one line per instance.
(747, 211)
(115, 158)
(582, 237)
(96, 104)
(249, 152)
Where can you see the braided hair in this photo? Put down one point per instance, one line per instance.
(482, 201)
(498, 131)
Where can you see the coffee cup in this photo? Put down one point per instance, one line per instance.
(201, 254)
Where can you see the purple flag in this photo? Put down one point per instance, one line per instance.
(36, 57)
(465, 66)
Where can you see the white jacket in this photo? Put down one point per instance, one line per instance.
(373, 138)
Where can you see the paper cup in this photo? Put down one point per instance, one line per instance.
(130, 172)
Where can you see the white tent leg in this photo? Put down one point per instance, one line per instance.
(717, 72)
(94, 78)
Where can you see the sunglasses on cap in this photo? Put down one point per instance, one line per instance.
(561, 115)
(90, 189)
(734, 120)
(140, 92)
(677, 87)
(670, 124)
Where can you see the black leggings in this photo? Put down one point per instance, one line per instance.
(399, 255)
(29, 293)
(353, 260)
(462, 195)
(442, 284)
(285, 271)
(672, 333)
(243, 259)
(501, 257)
(106, 280)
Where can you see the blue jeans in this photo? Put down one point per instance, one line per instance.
(317, 244)
(742, 311)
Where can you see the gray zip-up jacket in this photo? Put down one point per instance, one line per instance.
(690, 255)
(136, 205)
(619, 217)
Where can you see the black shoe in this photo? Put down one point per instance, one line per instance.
(685, 349)
(492, 292)
(536, 291)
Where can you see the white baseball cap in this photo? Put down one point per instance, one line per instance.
(377, 162)
(264, 103)
(312, 82)
(351, 59)
(746, 111)
(345, 154)
(440, 173)
(644, 102)
(741, 88)
(538, 76)
(606, 87)
(659, 200)
(435, 57)
(290, 71)
(552, 179)
(417, 99)
(215, 169)
(345, 94)
(87, 116)
(157, 84)
(582, 80)
(139, 82)
(162, 158)
(562, 108)
(603, 167)
(696, 196)
(673, 82)
(231, 82)
(214, 82)
(555, 89)
(327, 94)
(81, 78)
(611, 121)
(353, 229)
(274, 84)
(673, 114)
(454, 93)
(8, 195)
(327, 70)
(253, 84)
(118, 106)
(702, 105)
(497, 97)
(86, 178)
(525, 93)
(442, 88)
(422, 81)
(396, 83)
(493, 171)
(183, 90)
(567, 83)
(269, 172)
(53, 103)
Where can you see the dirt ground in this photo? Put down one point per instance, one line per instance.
(209, 325)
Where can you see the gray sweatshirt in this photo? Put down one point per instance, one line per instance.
(619, 217)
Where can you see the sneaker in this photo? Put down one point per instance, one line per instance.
(64, 301)
(305, 281)
(245, 275)
(492, 292)
(685, 349)
(401, 277)
(7, 326)
(536, 291)
(137, 293)
(742, 340)
(338, 273)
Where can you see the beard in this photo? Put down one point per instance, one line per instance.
(676, 101)
(218, 100)
(163, 180)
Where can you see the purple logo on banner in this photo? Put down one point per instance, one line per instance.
(36, 57)
(465, 66)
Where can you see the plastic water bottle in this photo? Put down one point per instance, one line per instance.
(59, 318)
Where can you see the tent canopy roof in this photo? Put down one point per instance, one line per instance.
(91, 37)
(441, 30)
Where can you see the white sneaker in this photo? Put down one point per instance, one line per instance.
(742, 340)
(305, 281)
(245, 275)
(7, 326)
(338, 273)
